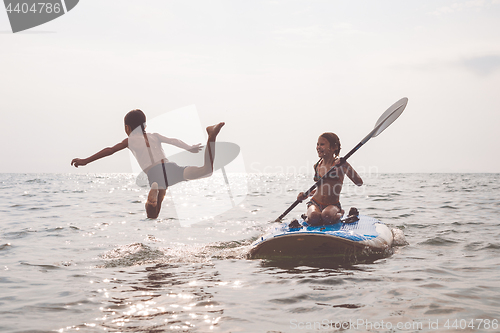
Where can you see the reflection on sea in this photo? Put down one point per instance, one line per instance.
(157, 298)
(312, 264)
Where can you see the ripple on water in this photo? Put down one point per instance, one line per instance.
(439, 241)
(5, 247)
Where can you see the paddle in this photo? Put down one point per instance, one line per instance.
(387, 118)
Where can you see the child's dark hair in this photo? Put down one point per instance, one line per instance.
(135, 118)
(334, 140)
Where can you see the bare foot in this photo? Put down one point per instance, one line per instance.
(214, 130)
(153, 195)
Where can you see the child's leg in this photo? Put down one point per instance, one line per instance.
(192, 172)
(155, 198)
(161, 196)
(313, 215)
(331, 214)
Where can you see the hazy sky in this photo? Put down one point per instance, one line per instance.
(279, 73)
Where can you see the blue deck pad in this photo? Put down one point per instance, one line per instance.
(363, 229)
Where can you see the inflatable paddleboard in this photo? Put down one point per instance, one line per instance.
(336, 240)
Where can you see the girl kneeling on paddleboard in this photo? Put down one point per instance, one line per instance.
(324, 206)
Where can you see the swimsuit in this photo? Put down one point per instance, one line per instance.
(322, 206)
(317, 177)
(332, 175)
(166, 174)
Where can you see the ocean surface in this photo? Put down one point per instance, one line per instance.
(77, 253)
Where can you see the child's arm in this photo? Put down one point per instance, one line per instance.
(103, 153)
(353, 175)
(181, 144)
(302, 196)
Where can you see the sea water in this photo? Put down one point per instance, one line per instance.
(77, 253)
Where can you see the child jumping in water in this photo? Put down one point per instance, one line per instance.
(324, 206)
(147, 149)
